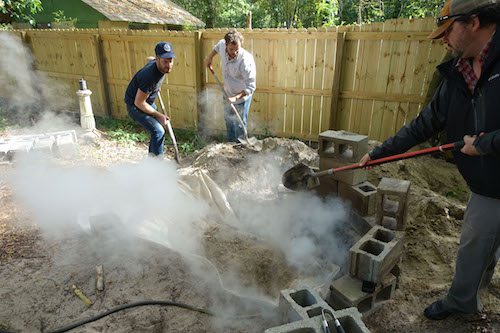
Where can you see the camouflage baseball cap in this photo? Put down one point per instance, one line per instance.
(452, 10)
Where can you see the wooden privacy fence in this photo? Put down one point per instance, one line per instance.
(369, 79)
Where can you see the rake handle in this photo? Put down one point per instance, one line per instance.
(450, 146)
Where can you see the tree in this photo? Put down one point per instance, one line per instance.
(218, 13)
(20, 9)
(306, 13)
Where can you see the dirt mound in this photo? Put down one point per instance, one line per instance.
(38, 273)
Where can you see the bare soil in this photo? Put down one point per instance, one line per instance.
(37, 272)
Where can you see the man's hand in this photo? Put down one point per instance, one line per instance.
(207, 62)
(469, 148)
(365, 159)
(162, 118)
(232, 100)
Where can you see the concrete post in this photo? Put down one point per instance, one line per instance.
(87, 120)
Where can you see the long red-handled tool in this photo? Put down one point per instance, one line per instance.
(250, 141)
(302, 177)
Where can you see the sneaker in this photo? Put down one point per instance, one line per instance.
(437, 311)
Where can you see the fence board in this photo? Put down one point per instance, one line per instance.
(377, 86)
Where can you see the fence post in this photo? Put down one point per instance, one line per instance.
(198, 79)
(336, 78)
(102, 74)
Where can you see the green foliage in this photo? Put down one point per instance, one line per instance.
(306, 13)
(453, 194)
(8, 119)
(60, 17)
(127, 131)
(188, 140)
(20, 9)
(124, 131)
(219, 13)
(5, 26)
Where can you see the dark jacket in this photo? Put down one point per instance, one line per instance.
(455, 109)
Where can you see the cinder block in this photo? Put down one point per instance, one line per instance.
(64, 144)
(351, 177)
(392, 203)
(295, 305)
(301, 326)
(350, 319)
(342, 146)
(376, 254)
(346, 292)
(20, 146)
(44, 144)
(361, 224)
(362, 196)
(327, 186)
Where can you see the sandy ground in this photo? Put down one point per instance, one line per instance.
(38, 271)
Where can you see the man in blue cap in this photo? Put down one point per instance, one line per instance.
(141, 94)
(466, 106)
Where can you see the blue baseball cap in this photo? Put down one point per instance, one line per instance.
(164, 50)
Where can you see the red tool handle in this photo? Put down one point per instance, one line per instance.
(450, 146)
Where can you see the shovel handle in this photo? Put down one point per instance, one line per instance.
(230, 104)
(450, 146)
(169, 128)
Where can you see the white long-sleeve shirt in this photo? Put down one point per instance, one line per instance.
(239, 73)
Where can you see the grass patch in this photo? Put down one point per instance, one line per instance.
(128, 131)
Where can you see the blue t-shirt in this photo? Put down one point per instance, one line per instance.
(149, 80)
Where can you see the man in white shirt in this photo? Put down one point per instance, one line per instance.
(239, 73)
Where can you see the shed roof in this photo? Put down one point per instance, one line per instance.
(145, 11)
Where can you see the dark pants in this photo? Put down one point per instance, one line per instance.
(152, 125)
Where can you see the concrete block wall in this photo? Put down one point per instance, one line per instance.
(350, 319)
(361, 196)
(295, 305)
(392, 203)
(340, 148)
(351, 177)
(327, 186)
(376, 254)
(346, 292)
(61, 144)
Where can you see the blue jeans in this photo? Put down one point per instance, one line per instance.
(233, 127)
(152, 125)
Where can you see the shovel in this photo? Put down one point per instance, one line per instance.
(249, 141)
(302, 177)
(170, 130)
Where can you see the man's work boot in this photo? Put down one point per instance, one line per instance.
(437, 311)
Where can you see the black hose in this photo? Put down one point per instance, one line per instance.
(123, 307)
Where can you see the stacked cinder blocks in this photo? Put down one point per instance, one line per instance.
(392, 203)
(376, 257)
(372, 259)
(375, 254)
(347, 292)
(340, 148)
(301, 312)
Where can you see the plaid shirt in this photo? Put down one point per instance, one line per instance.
(464, 66)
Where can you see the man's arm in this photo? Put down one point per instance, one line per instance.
(430, 120)
(140, 102)
(208, 59)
